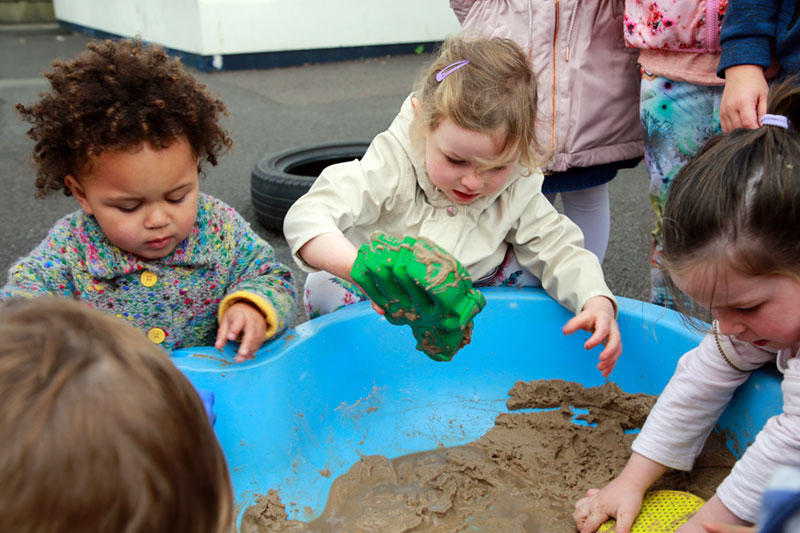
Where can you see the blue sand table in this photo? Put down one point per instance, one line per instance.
(350, 383)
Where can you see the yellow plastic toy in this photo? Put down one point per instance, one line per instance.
(663, 511)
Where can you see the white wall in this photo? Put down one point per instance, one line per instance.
(219, 27)
(173, 23)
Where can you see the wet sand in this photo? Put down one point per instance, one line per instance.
(523, 475)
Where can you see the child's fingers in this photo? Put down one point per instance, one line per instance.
(601, 333)
(248, 345)
(581, 511)
(574, 324)
(222, 336)
(598, 336)
(624, 522)
(245, 351)
(587, 517)
(608, 360)
(228, 329)
(612, 350)
(596, 519)
(241, 357)
(605, 368)
(235, 322)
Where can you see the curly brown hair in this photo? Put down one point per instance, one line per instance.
(114, 96)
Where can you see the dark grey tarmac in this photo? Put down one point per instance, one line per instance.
(270, 110)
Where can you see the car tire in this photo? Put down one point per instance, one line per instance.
(278, 180)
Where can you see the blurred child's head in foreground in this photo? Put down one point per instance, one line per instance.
(101, 432)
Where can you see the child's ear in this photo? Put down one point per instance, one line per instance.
(416, 105)
(77, 191)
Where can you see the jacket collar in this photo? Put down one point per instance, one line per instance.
(401, 128)
(105, 260)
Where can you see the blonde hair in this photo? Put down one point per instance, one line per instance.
(100, 431)
(495, 92)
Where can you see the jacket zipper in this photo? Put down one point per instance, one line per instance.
(569, 31)
(530, 31)
(555, 56)
(712, 25)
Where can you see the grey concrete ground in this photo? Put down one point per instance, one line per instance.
(270, 110)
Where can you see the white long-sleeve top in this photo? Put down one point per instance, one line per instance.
(695, 397)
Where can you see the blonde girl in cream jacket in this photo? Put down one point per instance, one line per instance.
(456, 167)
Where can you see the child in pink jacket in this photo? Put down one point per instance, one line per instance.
(588, 95)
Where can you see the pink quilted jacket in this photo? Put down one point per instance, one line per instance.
(588, 80)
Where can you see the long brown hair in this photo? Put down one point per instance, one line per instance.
(100, 431)
(738, 201)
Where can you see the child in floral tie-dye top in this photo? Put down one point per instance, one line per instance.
(124, 131)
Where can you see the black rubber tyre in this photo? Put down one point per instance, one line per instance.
(278, 180)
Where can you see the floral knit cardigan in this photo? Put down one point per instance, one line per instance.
(175, 300)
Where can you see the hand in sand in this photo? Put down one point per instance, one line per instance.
(615, 500)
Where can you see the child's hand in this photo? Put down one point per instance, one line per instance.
(621, 499)
(613, 501)
(597, 316)
(744, 98)
(714, 517)
(245, 320)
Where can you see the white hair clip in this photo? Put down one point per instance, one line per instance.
(775, 120)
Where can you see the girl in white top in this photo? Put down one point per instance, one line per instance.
(456, 167)
(731, 243)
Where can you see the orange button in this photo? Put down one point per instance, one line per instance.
(157, 335)
(148, 279)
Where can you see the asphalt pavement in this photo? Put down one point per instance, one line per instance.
(270, 110)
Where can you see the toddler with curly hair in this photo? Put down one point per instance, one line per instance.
(124, 129)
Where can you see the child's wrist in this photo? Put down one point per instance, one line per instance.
(598, 302)
(249, 304)
(264, 308)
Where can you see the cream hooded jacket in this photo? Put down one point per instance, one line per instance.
(388, 190)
